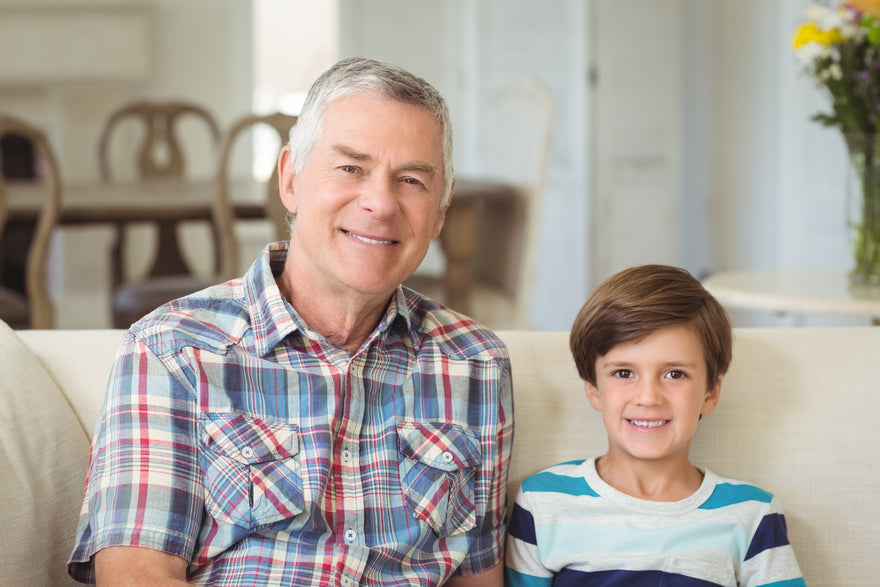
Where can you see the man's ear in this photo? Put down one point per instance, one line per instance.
(441, 217)
(286, 178)
(593, 396)
(710, 402)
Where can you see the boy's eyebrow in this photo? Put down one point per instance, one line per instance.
(354, 154)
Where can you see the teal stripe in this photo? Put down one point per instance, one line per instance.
(726, 494)
(553, 483)
(514, 578)
(789, 583)
(582, 538)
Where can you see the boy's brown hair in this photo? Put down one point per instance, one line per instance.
(638, 301)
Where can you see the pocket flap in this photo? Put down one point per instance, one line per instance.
(249, 440)
(441, 445)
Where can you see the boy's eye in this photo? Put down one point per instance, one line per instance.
(622, 373)
(676, 374)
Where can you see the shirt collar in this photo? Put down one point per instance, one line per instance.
(273, 318)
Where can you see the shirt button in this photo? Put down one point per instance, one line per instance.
(346, 581)
(247, 452)
(346, 455)
(350, 535)
(448, 457)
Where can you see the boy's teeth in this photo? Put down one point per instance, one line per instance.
(649, 423)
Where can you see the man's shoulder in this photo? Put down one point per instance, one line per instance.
(454, 334)
(212, 319)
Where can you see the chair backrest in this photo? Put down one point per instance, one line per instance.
(516, 150)
(159, 154)
(36, 279)
(224, 217)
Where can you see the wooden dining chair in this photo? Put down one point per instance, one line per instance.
(34, 308)
(275, 212)
(159, 155)
(515, 147)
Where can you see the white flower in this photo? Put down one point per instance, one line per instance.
(835, 71)
(809, 53)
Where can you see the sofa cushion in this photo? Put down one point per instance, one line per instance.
(43, 459)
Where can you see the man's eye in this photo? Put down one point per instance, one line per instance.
(411, 181)
(349, 169)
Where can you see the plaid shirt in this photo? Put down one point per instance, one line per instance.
(237, 438)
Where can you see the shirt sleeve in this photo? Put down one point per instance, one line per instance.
(522, 565)
(770, 559)
(487, 548)
(143, 486)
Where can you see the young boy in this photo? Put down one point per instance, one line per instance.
(652, 347)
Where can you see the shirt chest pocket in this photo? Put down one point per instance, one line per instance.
(437, 471)
(251, 469)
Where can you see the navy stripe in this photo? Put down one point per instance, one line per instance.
(573, 578)
(771, 532)
(522, 525)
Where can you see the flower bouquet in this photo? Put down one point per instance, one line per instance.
(839, 48)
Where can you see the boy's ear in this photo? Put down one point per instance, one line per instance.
(593, 396)
(710, 402)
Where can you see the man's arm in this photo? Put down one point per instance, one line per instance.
(132, 565)
(494, 577)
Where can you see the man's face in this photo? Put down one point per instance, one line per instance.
(368, 202)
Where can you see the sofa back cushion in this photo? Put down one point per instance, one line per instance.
(43, 458)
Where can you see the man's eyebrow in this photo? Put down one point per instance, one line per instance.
(354, 154)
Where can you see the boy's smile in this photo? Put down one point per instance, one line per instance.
(652, 393)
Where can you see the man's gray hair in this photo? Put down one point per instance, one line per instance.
(359, 75)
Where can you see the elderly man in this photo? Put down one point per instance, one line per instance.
(314, 422)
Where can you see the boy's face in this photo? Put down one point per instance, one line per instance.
(651, 394)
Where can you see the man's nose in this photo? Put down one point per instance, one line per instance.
(379, 196)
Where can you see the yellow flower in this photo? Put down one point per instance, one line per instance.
(872, 7)
(810, 33)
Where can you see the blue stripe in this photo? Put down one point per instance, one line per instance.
(522, 525)
(514, 578)
(771, 532)
(726, 494)
(619, 578)
(551, 482)
(577, 538)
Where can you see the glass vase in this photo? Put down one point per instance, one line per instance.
(864, 154)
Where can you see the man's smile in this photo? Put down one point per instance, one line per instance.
(369, 240)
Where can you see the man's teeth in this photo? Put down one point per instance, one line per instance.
(648, 423)
(372, 241)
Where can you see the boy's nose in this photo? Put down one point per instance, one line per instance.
(649, 394)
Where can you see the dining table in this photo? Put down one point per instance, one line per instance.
(163, 200)
(799, 291)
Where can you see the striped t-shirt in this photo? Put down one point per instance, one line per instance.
(571, 528)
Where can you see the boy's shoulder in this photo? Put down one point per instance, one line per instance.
(729, 491)
(566, 478)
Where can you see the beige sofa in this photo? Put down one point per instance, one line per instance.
(799, 415)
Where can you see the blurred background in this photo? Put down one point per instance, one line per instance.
(680, 135)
